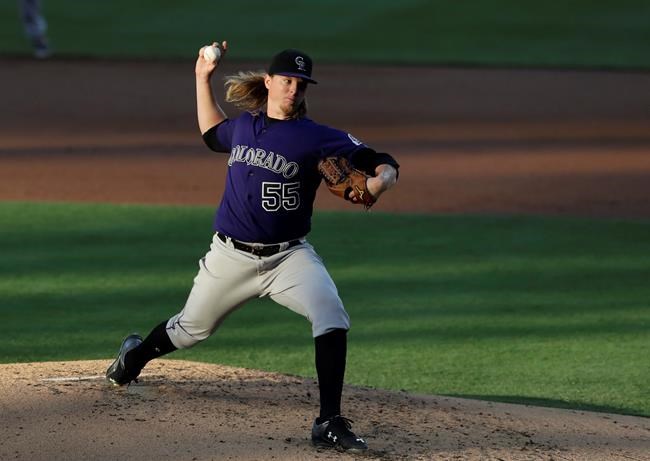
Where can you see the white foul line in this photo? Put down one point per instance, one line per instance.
(75, 378)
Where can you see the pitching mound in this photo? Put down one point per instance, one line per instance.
(192, 411)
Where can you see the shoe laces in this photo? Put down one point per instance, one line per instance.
(343, 423)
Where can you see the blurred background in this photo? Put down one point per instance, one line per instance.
(579, 33)
(426, 78)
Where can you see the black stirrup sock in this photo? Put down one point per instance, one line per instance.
(155, 345)
(331, 350)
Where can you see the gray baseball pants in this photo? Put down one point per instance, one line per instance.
(295, 278)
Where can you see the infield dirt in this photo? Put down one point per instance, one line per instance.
(468, 140)
(193, 411)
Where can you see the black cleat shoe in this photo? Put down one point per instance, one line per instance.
(336, 433)
(117, 372)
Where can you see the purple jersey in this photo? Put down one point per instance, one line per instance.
(272, 176)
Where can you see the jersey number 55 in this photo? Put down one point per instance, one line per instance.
(276, 195)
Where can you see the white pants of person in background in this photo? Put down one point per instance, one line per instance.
(35, 27)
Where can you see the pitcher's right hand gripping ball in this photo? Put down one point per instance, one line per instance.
(341, 179)
(211, 53)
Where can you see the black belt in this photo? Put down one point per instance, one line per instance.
(261, 250)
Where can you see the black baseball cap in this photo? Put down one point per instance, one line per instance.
(292, 63)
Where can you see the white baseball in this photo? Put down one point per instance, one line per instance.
(211, 53)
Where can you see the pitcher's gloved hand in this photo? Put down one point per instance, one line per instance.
(342, 178)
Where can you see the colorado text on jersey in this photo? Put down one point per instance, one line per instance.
(267, 160)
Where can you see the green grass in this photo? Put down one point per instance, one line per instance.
(505, 32)
(523, 309)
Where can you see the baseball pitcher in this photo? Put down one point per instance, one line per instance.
(277, 159)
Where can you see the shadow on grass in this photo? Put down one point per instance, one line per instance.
(552, 403)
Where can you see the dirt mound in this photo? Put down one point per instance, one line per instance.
(193, 411)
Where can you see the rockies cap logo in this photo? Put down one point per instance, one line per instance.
(300, 62)
(292, 63)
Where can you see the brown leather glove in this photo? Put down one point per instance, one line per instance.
(341, 179)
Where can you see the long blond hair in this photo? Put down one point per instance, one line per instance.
(247, 91)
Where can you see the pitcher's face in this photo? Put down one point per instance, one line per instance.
(285, 93)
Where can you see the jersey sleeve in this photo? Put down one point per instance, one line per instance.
(219, 137)
(333, 142)
(360, 155)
